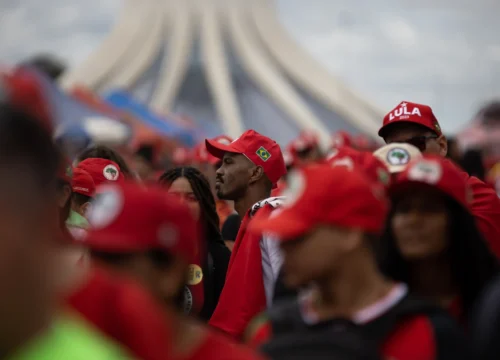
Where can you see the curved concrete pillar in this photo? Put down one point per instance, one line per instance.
(102, 61)
(256, 63)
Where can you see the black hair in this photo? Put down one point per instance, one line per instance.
(80, 199)
(473, 265)
(48, 64)
(203, 193)
(25, 141)
(472, 163)
(146, 152)
(104, 152)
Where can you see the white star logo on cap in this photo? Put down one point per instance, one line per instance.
(404, 104)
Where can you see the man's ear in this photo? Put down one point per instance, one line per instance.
(256, 173)
(85, 208)
(443, 145)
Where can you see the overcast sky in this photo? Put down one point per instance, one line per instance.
(447, 56)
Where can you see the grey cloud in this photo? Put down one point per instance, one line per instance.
(446, 55)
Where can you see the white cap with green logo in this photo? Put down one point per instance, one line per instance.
(396, 156)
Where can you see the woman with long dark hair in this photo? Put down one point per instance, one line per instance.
(431, 240)
(192, 187)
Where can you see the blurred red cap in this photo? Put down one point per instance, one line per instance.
(130, 217)
(434, 172)
(325, 195)
(82, 182)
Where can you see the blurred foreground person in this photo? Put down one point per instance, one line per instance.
(192, 188)
(305, 149)
(416, 124)
(251, 167)
(150, 236)
(33, 325)
(328, 229)
(432, 242)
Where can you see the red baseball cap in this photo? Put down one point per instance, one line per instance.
(102, 170)
(341, 138)
(202, 155)
(434, 172)
(181, 156)
(82, 182)
(259, 149)
(365, 161)
(411, 113)
(131, 217)
(325, 195)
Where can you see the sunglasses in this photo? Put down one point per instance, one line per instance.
(420, 142)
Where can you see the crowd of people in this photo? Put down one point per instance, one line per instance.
(243, 250)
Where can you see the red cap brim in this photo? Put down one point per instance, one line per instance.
(285, 226)
(113, 243)
(217, 149)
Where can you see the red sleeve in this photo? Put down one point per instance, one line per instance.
(124, 312)
(143, 324)
(486, 210)
(412, 340)
(432, 337)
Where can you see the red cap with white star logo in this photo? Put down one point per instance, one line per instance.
(411, 113)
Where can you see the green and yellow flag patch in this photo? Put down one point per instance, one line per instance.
(263, 153)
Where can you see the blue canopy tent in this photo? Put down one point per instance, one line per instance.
(74, 122)
(124, 101)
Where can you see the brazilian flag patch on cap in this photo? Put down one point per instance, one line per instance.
(263, 153)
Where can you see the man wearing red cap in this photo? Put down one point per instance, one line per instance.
(208, 165)
(327, 228)
(416, 124)
(146, 234)
(251, 166)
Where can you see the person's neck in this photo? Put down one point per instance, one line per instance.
(357, 285)
(189, 335)
(243, 204)
(433, 279)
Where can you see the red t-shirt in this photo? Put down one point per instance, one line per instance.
(125, 312)
(218, 347)
(486, 210)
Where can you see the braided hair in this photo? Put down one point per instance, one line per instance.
(202, 192)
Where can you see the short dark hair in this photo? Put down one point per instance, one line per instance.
(104, 152)
(80, 199)
(25, 141)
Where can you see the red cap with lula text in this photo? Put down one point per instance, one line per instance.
(436, 172)
(82, 182)
(325, 195)
(411, 113)
(259, 149)
(131, 217)
(102, 170)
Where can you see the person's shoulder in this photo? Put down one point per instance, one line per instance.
(432, 336)
(217, 346)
